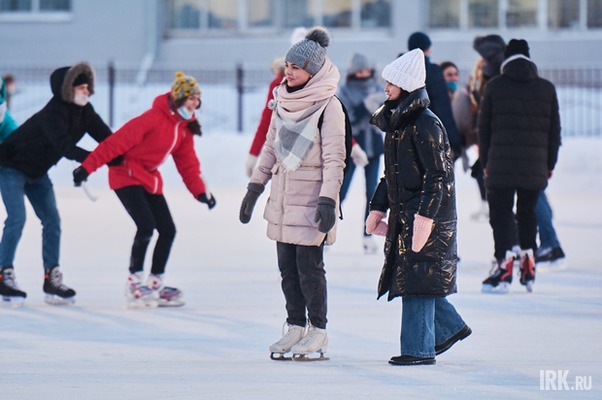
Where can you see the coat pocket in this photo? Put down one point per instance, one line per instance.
(303, 187)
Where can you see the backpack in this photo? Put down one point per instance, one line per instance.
(348, 135)
(348, 143)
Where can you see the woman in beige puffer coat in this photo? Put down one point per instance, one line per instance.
(304, 159)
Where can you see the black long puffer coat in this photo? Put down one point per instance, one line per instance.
(519, 128)
(53, 132)
(418, 179)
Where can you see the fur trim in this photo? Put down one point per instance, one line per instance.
(73, 72)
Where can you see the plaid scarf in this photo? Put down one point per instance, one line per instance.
(297, 115)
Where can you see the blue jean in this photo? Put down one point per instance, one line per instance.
(426, 322)
(14, 186)
(547, 233)
(371, 177)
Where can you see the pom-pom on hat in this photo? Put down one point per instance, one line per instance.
(517, 46)
(310, 53)
(419, 40)
(184, 86)
(407, 72)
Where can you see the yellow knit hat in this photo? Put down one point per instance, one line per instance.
(184, 87)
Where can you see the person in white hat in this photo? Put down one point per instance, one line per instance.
(418, 191)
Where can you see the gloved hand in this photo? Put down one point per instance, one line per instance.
(250, 165)
(208, 199)
(374, 100)
(248, 202)
(422, 230)
(80, 175)
(325, 214)
(375, 224)
(359, 156)
(115, 162)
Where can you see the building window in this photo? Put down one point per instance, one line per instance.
(483, 13)
(256, 15)
(502, 14)
(34, 6)
(594, 14)
(563, 14)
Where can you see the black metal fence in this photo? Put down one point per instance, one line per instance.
(233, 97)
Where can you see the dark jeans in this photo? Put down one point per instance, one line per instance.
(371, 177)
(504, 224)
(303, 283)
(149, 212)
(547, 233)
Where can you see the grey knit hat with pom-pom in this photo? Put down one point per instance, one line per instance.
(310, 53)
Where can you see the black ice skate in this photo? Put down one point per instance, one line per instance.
(57, 293)
(500, 276)
(9, 290)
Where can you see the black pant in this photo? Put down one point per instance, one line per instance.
(504, 223)
(303, 283)
(149, 212)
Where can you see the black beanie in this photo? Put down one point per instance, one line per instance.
(419, 40)
(517, 46)
(81, 79)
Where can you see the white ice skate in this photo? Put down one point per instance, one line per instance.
(314, 341)
(482, 213)
(138, 295)
(12, 296)
(289, 338)
(168, 296)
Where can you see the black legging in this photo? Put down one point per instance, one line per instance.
(149, 212)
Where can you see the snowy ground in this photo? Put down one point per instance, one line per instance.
(216, 346)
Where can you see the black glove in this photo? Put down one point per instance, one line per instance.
(208, 199)
(248, 202)
(325, 214)
(195, 127)
(115, 162)
(80, 175)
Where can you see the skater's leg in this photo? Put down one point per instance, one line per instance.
(418, 327)
(525, 216)
(41, 196)
(291, 288)
(312, 276)
(502, 220)
(547, 234)
(12, 186)
(167, 232)
(135, 202)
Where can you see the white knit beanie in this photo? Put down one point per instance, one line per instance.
(407, 72)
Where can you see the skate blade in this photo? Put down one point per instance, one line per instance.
(139, 304)
(551, 266)
(502, 288)
(308, 357)
(55, 300)
(529, 286)
(280, 357)
(12, 302)
(171, 303)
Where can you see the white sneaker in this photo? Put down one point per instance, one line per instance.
(370, 245)
(314, 341)
(288, 340)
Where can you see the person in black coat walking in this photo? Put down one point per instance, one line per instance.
(519, 138)
(418, 190)
(25, 158)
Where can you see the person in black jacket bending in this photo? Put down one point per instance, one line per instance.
(25, 158)
(519, 137)
(418, 190)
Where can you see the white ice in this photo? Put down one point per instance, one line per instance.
(216, 347)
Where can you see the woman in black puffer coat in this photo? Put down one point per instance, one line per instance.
(419, 191)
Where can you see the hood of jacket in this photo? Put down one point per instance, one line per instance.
(519, 68)
(61, 80)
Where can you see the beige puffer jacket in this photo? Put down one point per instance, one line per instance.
(291, 207)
